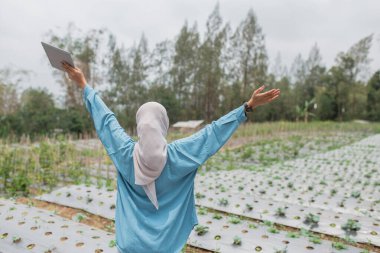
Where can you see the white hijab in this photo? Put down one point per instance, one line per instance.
(150, 152)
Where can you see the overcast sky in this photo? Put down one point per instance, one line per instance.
(290, 26)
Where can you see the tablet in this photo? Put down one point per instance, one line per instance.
(57, 56)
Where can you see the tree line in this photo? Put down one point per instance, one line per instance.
(195, 76)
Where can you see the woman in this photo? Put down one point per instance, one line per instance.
(155, 208)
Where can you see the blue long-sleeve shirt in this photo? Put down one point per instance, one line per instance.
(140, 227)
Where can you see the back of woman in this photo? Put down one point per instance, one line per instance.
(155, 208)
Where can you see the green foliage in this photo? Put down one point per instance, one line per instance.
(223, 202)
(217, 216)
(373, 97)
(201, 230)
(194, 77)
(280, 212)
(237, 241)
(234, 220)
(355, 194)
(273, 230)
(351, 226)
(339, 246)
(312, 219)
(112, 243)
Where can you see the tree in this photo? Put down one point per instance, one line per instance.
(9, 82)
(161, 63)
(184, 70)
(210, 70)
(245, 60)
(85, 47)
(373, 97)
(344, 78)
(37, 111)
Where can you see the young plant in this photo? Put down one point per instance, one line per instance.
(285, 250)
(199, 195)
(293, 235)
(237, 241)
(223, 202)
(234, 220)
(16, 239)
(355, 194)
(79, 217)
(338, 246)
(273, 230)
(315, 239)
(312, 219)
(351, 226)
(112, 243)
(217, 216)
(280, 212)
(201, 230)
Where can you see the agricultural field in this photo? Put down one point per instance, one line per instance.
(275, 187)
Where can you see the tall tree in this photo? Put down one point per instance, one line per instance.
(161, 61)
(85, 47)
(345, 77)
(373, 97)
(210, 70)
(246, 59)
(184, 71)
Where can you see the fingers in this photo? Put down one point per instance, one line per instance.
(273, 98)
(270, 93)
(275, 95)
(68, 68)
(259, 89)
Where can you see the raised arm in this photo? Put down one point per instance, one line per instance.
(194, 150)
(111, 134)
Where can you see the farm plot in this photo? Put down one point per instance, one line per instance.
(28, 229)
(336, 193)
(215, 231)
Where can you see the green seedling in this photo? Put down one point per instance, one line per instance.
(237, 241)
(201, 230)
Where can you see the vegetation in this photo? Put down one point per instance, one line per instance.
(194, 77)
(201, 230)
(351, 226)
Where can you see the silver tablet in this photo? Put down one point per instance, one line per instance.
(57, 56)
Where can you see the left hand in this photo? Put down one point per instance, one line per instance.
(75, 74)
(258, 98)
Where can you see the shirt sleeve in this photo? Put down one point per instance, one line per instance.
(191, 152)
(109, 131)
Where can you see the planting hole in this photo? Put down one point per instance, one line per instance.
(79, 244)
(31, 246)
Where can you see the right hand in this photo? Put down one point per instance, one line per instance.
(75, 74)
(258, 98)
